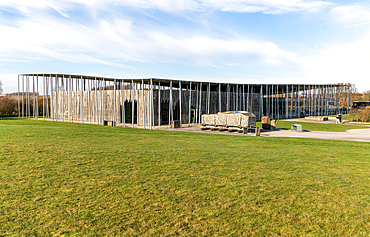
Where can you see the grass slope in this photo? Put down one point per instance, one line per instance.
(72, 179)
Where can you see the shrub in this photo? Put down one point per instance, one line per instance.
(8, 106)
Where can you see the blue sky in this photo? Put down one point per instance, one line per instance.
(244, 41)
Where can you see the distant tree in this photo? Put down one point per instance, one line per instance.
(367, 95)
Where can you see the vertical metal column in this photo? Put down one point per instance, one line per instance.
(200, 102)
(189, 103)
(151, 104)
(287, 102)
(197, 105)
(236, 97)
(291, 102)
(33, 97)
(243, 97)
(142, 91)
(208, 96)
(248, 95)
(219, 97)
(81, 102)
(56, 96)
(70, 112)
(180, 100)
(89, 97)
(159, 104)
(261, 102)
(114, 103)
(96, 101)
(228, 97)
(62, 84)
(133, 102)
(52, 98)
(123, 109)
(170, 106)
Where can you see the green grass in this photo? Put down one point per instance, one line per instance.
(344, 116)
(315, 126)
(72, 179)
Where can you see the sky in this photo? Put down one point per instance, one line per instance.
(242, 41)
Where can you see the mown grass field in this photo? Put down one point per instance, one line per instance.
(70, 179)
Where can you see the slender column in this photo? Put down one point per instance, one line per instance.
(102, 116)
(189, 104)
(251, 95)
(197, 106)
(159, 105)
(208, 96)
(52, 98)
(219, 97)
(133, 103)
(272, 102)
(123, 110)
(152, 103)
(81, 101)
(29, 99)
(180, 100)
(142, 91)
(287, 102)
(170, 106)
(33, 97)
(248, 95)
(70, 113)
(236, 98)
(89, 98)
(243, 97)
(56, 97)
(261, 102)
(18, 111)
(47, 97)
(200, 102)
(62, 85)
(291, 102)
(37, 97)
(228, 97)
(96, 101)
(114, 103)
(277, 102)
(22, 96)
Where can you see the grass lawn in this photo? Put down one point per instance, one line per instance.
(72, 179)
(315, 126)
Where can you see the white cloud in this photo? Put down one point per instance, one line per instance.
(249, 6)
(348, 63)
(354, 14)
(44, 37)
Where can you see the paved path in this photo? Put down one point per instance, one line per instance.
(361, 135)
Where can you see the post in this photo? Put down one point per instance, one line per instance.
(63, 98)
(52, 98)
(70, 116)
(219, 97)
(287, 102)
(142, 91)
(56, 96)
(180, 100)
(81, 101)
(261, 102)
(200, 103)
(114, 103)
(208, 96)
(189, 103)
(228, 97)
(159, 104)
(170, 107)
(89, 97)
(248, 95)
(19, 115)
(132, 102)
(96, 101)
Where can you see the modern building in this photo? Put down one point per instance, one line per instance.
(151, 102)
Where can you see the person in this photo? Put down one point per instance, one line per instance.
(339, 119)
